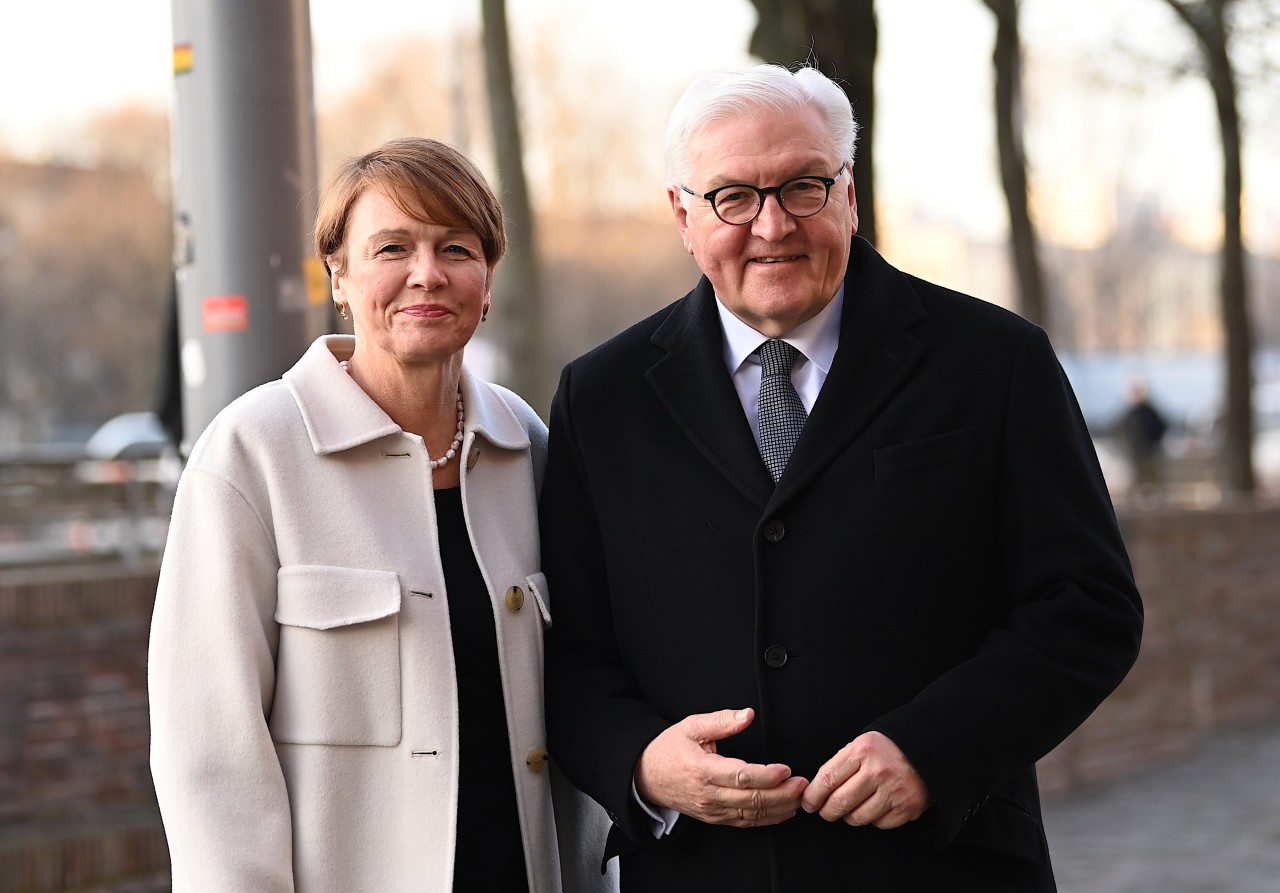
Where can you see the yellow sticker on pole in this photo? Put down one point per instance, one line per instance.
(317, 280)
(182, 58)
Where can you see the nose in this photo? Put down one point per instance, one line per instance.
(773, 222)
(426, 271)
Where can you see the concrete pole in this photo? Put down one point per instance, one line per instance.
(249, 297)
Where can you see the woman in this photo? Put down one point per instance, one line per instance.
(346, 653)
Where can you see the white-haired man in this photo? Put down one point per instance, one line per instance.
(831, 559)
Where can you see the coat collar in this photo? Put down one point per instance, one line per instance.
(876, 352)
(339, 415)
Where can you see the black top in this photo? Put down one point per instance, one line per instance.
(489, 855)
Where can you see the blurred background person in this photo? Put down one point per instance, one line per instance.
(346, 655)
(1142, 430)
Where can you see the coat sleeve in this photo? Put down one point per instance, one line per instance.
(211, 681)
(597, 723)
(1073, 617)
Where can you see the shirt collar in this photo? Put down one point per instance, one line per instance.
(339, 415)
(817, 338)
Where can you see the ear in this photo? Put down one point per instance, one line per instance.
(853, 203)
(335, 277)
(681, 215)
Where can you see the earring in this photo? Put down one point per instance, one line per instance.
(484, 316)
(342, 310)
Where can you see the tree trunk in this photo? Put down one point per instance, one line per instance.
(517, 304)
(840, 37)
(1208, 22)
(1007, 59)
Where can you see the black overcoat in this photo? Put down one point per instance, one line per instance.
(940, 562)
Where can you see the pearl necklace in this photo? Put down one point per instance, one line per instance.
(457, 437)
(457, 441)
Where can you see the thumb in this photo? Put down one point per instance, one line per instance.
(719, 725)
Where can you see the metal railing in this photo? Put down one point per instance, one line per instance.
(59, 506)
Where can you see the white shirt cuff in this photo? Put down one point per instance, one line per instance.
(663, 817)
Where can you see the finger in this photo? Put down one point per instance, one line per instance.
(831, 776)
(855, 796)
(756, 808)
(727, 772)
(882, 811)
(707, 728)
(868, 812)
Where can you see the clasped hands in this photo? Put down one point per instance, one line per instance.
(868, 782)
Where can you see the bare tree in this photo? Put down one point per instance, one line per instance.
(519, 299)
(404, 94)
(1210, 24)
(1007, 59)
(841, 37)
(81, 327)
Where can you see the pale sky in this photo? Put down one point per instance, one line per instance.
(63, 60)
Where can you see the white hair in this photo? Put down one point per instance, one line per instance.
(734, 93)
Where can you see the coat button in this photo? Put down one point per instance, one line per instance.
(775, 530)
(473, 457)
(775, 656)
(536, 759)
(515, 598)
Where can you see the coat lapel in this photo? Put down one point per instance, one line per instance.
(693, 384)
(876, 353)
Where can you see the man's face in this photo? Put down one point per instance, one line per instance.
(777, 271)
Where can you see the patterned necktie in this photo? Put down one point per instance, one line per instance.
(782, 414)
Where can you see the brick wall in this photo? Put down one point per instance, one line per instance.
(77, 810)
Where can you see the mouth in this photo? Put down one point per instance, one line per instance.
(425, 311)
(775, 260)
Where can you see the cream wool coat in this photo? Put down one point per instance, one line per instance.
(302, 690)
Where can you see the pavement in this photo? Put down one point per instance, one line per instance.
(1207, 824)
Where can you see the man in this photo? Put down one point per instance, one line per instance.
(831, 662)
(1142, 430)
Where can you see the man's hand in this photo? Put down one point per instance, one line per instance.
(868, 782)
(680, 769)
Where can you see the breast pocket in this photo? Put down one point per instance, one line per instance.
(338, 664)
(919, 455)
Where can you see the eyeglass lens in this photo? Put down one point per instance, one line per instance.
(802, 197)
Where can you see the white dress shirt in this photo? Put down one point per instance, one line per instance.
(817, 340)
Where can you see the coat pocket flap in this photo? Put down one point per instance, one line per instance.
(920, 454)
(320, 597)
(538, 586)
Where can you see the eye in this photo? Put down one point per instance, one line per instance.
(465, 250)
(391, 248)
(804, 186)
(734, 195)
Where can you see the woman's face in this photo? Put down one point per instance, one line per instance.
(416, 290)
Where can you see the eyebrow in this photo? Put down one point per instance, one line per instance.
(452, 232)
(387, 233)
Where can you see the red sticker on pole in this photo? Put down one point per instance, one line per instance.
(226, 313)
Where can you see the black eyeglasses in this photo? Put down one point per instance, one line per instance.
(738, 204)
